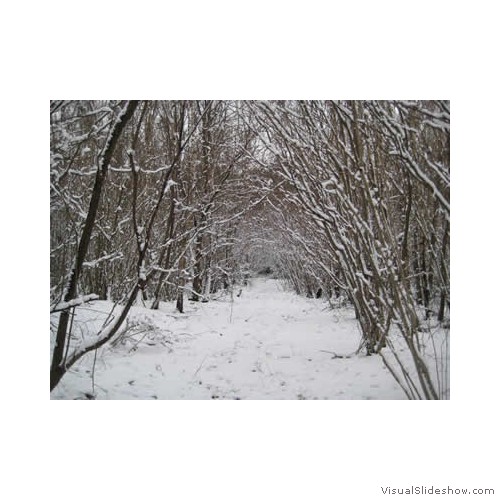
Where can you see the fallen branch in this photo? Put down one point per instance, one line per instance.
(62, 306)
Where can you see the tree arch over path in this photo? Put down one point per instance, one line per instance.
(343, 199)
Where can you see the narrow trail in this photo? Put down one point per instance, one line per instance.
(266, 344)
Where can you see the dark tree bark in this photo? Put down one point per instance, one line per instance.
(180, 284)
(198, 268)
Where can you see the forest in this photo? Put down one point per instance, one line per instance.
(172, 207)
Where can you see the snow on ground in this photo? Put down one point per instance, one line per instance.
(266, 344)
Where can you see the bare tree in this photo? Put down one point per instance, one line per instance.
(344, 169)
(58, 366)
(347, 200)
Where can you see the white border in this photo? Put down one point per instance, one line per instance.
(363, 50)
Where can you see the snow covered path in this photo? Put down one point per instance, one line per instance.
(266, 344)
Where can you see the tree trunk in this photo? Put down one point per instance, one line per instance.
(167, 252)
(198, 270)
(56, 369)
(444, 291)
(180, 285)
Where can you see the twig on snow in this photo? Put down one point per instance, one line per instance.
(199, 367)
(335, 355)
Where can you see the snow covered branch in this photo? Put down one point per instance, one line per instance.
(74, 302)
